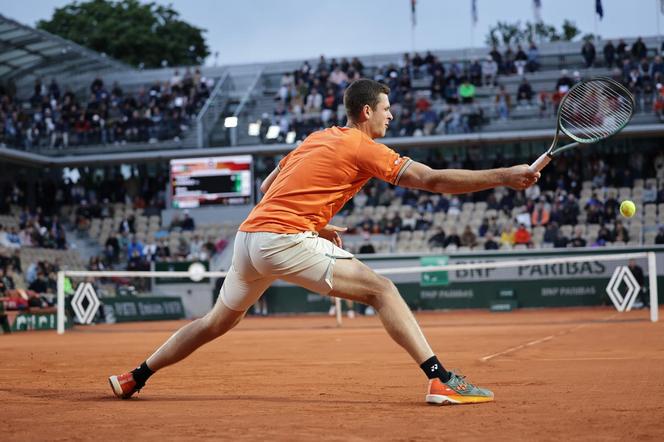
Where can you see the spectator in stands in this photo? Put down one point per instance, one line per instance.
(507, 236)
(551, 233)
(522, 236)
(520, 61)
(489, 71)
(609, 54)
(561, 240)
(656, 69)
(452, 121)
(137, 262)
(127, 225)
(150, 249)
(6, 282)
(497, 57)
(163, 251)
(603, 236)
(409, 220)
(182, 250)
(438, 85)
(564, 82)
(195, 248)
(502, 102)
(639, 49)
(40, 284)
(611, 207)
(437, 239)
(367, 246)
(578, 240)
(112, 249)
(621, 51)
(533, 58)
(468, 238)
(452, 239)
(475, 72)
(570, 212)
(188, 223)
(589, 53)
(659, 239)
(210, 248)
(95, 264)
(540, 215)
(620, 233)
(658, 103)
(427, 120)
(544, 100)
(466, 91)
(508, 61)
(490, 243)
(524, 95)
(134, 248)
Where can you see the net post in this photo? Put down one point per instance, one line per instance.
(652, 278)
(337, 309)
(61, 302)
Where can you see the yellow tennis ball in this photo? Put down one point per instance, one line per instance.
(627, 208)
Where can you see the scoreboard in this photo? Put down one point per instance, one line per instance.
(223, 180)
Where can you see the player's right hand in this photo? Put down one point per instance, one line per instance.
(520, 177)
(331, 233)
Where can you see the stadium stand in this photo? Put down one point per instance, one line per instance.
(454, 108)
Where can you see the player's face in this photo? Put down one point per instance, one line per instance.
(380, 117)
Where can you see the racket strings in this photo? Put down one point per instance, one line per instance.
(595, 110)
(598, 118)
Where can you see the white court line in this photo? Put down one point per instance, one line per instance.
(547, 338)
(518, 347)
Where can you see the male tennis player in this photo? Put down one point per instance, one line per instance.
(287, 236)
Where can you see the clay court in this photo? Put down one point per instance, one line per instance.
(557, 375)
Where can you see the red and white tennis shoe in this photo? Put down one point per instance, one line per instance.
(124, 385)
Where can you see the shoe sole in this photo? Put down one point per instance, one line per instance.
(439, 399)
(117, 389)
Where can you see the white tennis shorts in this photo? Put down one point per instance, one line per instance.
(259, 258)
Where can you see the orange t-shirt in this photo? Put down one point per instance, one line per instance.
(318, 177)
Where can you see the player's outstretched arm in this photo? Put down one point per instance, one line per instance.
(453, 181)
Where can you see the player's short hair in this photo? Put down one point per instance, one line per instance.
(360, 93)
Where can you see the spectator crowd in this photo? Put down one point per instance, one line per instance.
(56, 118)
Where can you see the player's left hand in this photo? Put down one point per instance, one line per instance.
(331, 233)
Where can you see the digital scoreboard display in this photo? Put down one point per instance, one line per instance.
(197, 182)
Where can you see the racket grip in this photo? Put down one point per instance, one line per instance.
(540, 163)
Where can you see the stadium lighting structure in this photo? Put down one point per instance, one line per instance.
(254, 129)
(230, 122)
(273, 132)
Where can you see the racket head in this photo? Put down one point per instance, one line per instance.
(595, 109)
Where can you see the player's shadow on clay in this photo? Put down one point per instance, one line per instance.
(324, 399)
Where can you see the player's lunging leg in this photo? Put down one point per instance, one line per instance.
(354, 280)
(180, 345)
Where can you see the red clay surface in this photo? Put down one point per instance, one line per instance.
(568, 374)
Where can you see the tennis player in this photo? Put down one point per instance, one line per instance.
(288, 236)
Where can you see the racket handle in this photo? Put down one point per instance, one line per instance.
(540, 163)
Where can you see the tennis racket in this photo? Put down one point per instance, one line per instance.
(591, 111)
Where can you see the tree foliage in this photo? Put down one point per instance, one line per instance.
(145, 35)
(507, 34)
